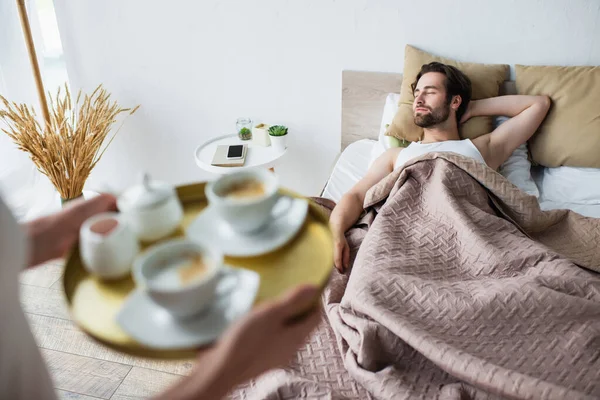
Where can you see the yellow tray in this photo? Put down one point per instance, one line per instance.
(94, 304)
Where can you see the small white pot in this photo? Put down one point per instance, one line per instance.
(260, 136)
(279, 143)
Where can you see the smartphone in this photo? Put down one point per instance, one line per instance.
(235, 151)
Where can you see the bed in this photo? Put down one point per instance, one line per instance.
(424, 313)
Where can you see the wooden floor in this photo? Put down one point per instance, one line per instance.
(81, 368)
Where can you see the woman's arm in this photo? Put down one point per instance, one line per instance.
(52, 236)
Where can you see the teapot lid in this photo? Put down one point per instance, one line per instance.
(147, 194)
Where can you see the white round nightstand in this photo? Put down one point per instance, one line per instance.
(256, 157)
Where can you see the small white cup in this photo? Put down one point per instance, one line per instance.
(246, 216)
(184, 300)
(108, 246)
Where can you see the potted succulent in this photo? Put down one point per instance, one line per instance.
(278, 134)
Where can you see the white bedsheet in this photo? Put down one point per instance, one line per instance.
(354, 163)
(349, 169)
(589, 210)
(559, 184)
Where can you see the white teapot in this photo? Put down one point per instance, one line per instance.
(152, 209)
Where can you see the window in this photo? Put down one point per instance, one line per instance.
(48, 44)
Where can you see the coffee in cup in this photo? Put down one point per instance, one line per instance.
(244, 189)
(246, 200)
(182, 271)
(179, 275)
(104, 226)
(107, 245)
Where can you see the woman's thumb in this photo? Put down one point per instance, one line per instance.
(297, 300)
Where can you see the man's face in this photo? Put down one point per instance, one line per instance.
(430, 107)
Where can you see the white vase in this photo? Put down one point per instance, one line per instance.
(260, 135)
(279, 143)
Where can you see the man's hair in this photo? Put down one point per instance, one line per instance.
(456, 83)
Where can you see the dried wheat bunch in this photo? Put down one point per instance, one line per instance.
(70, 146)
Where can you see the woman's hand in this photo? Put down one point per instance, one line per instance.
(268, 337)
(53, 236)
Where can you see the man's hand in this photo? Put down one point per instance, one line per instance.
(348, 210)
(266, 338)
(341, 252)
(53, 236)
(468, 112)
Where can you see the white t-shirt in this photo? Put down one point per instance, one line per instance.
(23, 374)
(415, 149)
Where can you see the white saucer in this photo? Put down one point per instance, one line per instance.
(153, 326)
(211, 230)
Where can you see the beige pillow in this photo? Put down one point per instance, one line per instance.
(485, 80)
(570, 134)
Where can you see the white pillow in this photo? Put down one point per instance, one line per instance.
(389, 111)
(571, 184)
(517, 169)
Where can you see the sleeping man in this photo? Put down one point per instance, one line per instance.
(442, 101)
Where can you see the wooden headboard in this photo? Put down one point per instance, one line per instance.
(363, 98)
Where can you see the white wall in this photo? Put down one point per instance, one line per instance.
(16, 78)
(195, 66)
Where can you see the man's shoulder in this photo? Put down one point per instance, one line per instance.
(482, 141)
(394, 151)
(483, 144)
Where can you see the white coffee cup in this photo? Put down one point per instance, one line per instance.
(247, 215)
(107, 245)
(156, 272)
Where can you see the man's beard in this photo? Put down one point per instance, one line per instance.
(433, 117)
